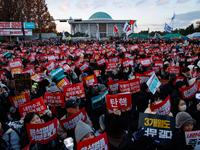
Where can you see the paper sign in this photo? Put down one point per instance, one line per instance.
(2, 75)
(119, 101)
(192, 138)
(130, 86)
(143, 78)
(54, 99)
(90, 80)
(66, 67)
(127, 62)
(99, 100)
(63, 83)
(111, 65)
(16, 71)
(162, 108)
(21, 80)
(159, 63)
(36, 78)
(194, 74)
(18, 100)
(190, 91)
(174, 69)
(15, 64)
(150, 72)
(97, 143)
(29, 70)
(50, 66)
(97, 73)
(145, 62)
(153, 83)
(114, 86)
(71, 122)
(62, 62)
(101, 61)
(37, 105)
(113, 59)
(42, 132)
(74, 90)
(179, 78)
(56, 73)
(84, 67)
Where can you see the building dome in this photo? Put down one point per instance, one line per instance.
(100, 16)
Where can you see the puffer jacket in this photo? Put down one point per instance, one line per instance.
(10, 137)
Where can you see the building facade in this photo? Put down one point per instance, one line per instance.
(99, 24)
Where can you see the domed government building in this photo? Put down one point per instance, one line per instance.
(100, 23)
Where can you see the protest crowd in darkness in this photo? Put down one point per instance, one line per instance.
(109, 94)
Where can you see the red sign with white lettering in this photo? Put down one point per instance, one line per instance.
(130, 86)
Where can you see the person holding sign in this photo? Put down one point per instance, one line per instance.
(184, 123)
(34, 118)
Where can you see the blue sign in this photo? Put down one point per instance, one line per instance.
(7, 54)
(29, 25)
(99, 100)
(57, 73)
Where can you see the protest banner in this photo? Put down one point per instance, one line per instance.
(97, 143)
(15, 64)
(178, 78)
(54, 99)
(153, 83)
(194, 74)
(43, 132)
(158, 128)
(41, 73)
(119, 101)
(31, 58)
(109, 53)
(84, 67)
(63, 83)
(113, 59)
(50, 57)
(66, 67)
(174, 69)
(193, 138)
(18, 100)
(21, 80)
(36, 105)
(71, 122)
(36, 78)
(150, 72)
(74, 90)
(4, 66)
(90, 80)
(127, 55)
(162, 108)
(143, 78)
(50, 66)
(16, 71)
(62, 62)
(29, 70)
(111, 65)
(57, 72)
(130, 86)
(97, 73)
(114, 86)
(101, 61)
(29, 65)
(127, 62)
(145, 62)
(99, 100)
(159, 63)
(190, 91)
(156, 68)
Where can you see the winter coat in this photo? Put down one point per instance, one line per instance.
(64, 134)
(10, 137)
(176, 94)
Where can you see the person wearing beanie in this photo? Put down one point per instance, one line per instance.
(186, 74)
(83, 132)
(54, 88)
(72, 107)
(184, 122)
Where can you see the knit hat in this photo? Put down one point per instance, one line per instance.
(102, 87)
(54, 88)
(183, 118)
(81, 130)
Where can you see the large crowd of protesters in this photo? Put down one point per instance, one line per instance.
(121, 128)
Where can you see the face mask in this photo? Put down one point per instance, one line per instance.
(158, 102)
(183, 108)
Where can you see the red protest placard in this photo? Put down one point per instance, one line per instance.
(130, 86)
(51, 57)
(16, 71)
(174, 69)
(150, 72)
(156, 68)
(29, 65)
(194, 74)
(145, 62)
(101, 61)
(36, 78)
(41, 73)
(109, 53)
(66, 67)
(37, 105)
(114, 86)
(2, 75)
(62, 83)
(74, 90)
(99, 142)
(179, 78)
(119, 101)
(90, 80)
(111, 65)
(71, 122)
(97, 73)
(29, 70)
(84, 67)
(162, 108)
(113, 59)
(159, 63)
(190, 91)
(60, 63)
(54, 99)
(15, 64)
(42, 132)
(18, 100)
(50, 66)
(143, 78)
(31, 58)
(127, 62)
